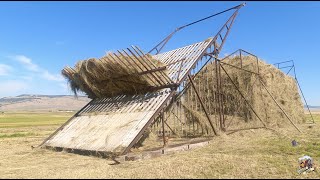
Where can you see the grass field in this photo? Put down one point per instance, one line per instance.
(245, 154)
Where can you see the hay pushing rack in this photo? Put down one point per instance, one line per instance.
(111, 126)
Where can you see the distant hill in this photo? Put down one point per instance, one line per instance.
(32, 102)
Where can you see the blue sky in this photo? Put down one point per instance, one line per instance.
(37, 39)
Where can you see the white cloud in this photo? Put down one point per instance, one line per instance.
(27, 62)
(52, 77)
(9, 88)
(4, 69)
(43, 73)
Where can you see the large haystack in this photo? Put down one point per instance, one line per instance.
(112, 75)
(281, 86)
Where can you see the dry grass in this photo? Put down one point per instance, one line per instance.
(245, 154)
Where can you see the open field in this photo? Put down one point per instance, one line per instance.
(245, 154)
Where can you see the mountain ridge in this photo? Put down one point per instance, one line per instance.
(39, 102)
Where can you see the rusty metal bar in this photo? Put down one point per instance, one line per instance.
(229, 55)
(222, 125)
(278, 105)
(227, 33)
(174, 85)
(111, 58)
(141, 68)
(128, 61)
(204, 109)
(163, 133)
(150, 66)
(136, 139)
(284, 67)
(242, 95)
(248, 52)
(141, 73)
(188, 84)
(241, 59)
(258, 65)
(289, 70)
(214, 40)
(170, 128)
(239, 68)
(218, 92)
(162, 73)
(295, 77)
(165, 40)
(179, 71)
(145, 65)
(283, 62)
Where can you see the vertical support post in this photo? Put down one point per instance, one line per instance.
(258, 65)
(240, 58)
(163, 133)
(221, 99)
(295, 77)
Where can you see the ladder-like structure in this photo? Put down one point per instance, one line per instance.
(116, 124)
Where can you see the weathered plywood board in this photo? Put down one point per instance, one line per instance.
(112, 130)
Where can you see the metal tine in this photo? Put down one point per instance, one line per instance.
(165, 75)
(148, 65)
(157, 72)
(150, 74)
(119, 61)
(113, 54)
(129, 64)
(137, 59)
(124, 57)
(109, 60)
(134, 48)
(147, 75)
(127, 60)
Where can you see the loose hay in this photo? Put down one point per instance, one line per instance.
(281, 86)
(110, 76)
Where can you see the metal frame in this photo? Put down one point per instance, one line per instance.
(227, 26)
(146, 68)
(160, 46)
(291, 65)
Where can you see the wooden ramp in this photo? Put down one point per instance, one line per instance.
(116, 124)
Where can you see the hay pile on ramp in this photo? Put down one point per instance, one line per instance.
(114, 75)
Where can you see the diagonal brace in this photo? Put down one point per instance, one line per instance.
(204, 109)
